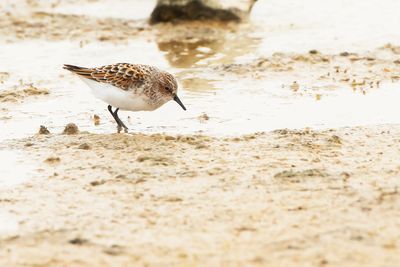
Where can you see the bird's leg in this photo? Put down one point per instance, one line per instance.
(117, 120)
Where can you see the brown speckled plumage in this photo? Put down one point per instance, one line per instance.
(122, 75)
(146, 87)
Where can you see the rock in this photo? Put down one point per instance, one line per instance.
(203, 118)
(78, 241)
(71, 128)
(96, 119)
(84, 146)
(224, 10)
(96, 183)
(52, 160)
(43, 130)
(335, 139)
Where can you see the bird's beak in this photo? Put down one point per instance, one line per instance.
(177, 100)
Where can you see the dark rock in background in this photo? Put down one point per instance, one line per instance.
(173, 10)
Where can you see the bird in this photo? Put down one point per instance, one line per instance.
(131, 87)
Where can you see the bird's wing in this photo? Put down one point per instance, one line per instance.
(122, 75)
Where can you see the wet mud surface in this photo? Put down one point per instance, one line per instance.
(359, 71)
(20, 92)
(55, 27)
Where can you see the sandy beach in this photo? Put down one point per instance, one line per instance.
(287, 155)
(303, 197)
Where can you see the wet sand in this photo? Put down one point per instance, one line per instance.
(216, 185)
(301, 197)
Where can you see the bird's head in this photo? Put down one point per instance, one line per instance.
(169, 88)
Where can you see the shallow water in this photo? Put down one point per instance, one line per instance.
(234, 104)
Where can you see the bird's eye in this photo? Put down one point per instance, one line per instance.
(168, 89)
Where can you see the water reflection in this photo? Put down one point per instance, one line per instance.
(184, 54)
(198, 85)
(195, 57)
(211, 44)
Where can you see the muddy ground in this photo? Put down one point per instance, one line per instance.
(326, 198)
(302, 197)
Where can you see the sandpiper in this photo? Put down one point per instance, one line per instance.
(131, 87)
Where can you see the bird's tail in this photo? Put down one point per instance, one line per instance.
(73, 68)
(81, 71)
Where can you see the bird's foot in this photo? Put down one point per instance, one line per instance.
(119, 129)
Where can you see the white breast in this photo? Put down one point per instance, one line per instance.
(118, 98)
